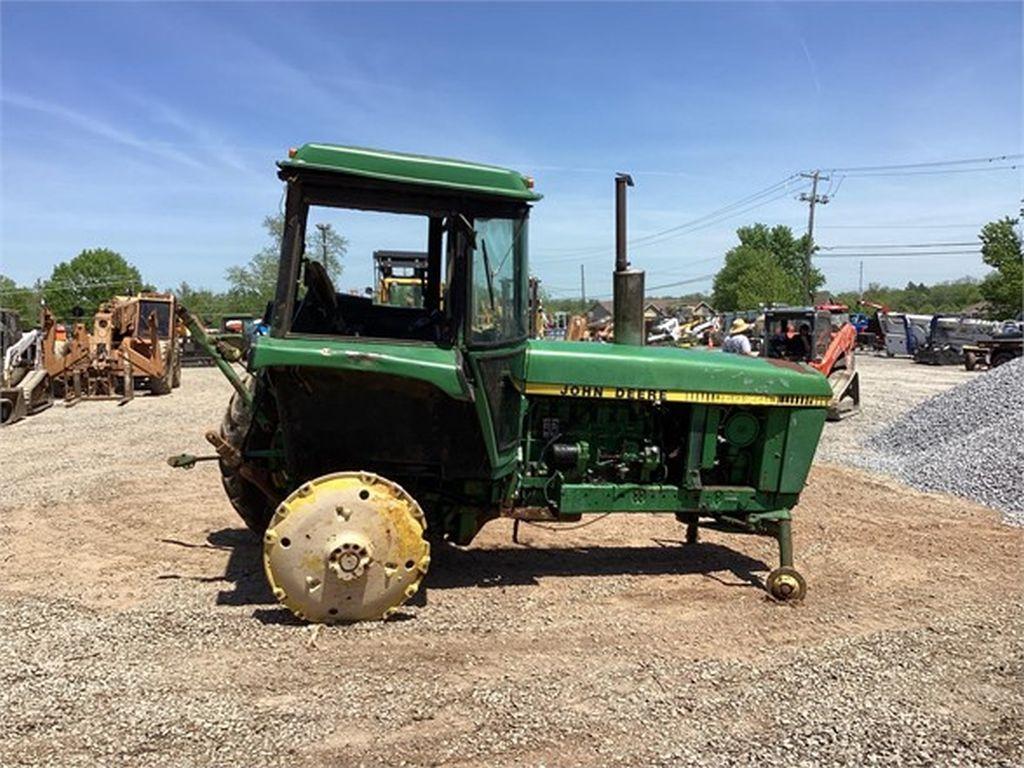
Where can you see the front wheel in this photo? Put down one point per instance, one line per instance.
(349, 546)
(251, 503)
(161, 385)
(786, 584)
(176, 370)
(998, 358)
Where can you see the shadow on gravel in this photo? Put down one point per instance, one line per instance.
(453, 568)
(456, 568)
(244, 571)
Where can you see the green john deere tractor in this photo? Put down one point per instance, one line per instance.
(367, 431)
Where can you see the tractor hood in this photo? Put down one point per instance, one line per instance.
(617, 371)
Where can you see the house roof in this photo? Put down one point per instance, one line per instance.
(413, 169)
(662, 305)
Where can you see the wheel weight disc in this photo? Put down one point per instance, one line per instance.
(346, 547)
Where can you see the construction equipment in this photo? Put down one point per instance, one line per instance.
(10, 330)
(672, 331)
(1004, 345)
(902, 333)
(824, 337)
(870, 328)
(24, 382)
(401, 277)
(134, 343)
(236, 333)
(947, 335)
(366, 432)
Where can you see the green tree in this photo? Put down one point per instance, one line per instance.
(1001, 250)
(211, 306)
(751, 277)
(788, 251)
(88, 280)
(22, 299)
(255, 282)
(948, 296)
(767, 266)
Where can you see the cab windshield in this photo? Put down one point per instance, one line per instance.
(162, 312)
(497, 311)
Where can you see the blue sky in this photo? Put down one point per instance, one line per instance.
(153, 128)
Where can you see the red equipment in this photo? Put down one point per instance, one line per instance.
(823, 337)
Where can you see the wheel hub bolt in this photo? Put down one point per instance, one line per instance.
(348, 560)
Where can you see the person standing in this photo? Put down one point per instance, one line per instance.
(738, 342)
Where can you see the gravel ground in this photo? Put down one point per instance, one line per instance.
(889, 388)
(138, 629)
(963, 439)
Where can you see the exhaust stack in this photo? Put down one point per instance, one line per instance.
(627, 284)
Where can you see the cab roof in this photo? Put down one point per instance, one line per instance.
(436, 172)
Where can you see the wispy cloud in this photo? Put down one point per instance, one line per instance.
(98, 127)
(198, 136)
(810, 62)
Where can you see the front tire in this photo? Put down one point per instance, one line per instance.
(160, 386)
(786, 584)
(176, 369)
(251, 504)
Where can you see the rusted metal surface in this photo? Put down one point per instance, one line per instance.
(134, 339)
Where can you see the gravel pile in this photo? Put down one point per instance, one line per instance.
(966, 441)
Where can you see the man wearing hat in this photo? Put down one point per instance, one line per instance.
(738, 343)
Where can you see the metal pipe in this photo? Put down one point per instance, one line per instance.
(622, 180)
(209, 346)
(627, 284)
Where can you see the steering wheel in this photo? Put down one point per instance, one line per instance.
(433, 317)
(320, 294)
(318, 282)
(777, 346)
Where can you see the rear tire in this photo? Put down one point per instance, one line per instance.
(998, 358)
(249, 501)
(176, 370)
(970, 361)
(161, 386)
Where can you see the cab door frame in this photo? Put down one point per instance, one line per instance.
(497, 369)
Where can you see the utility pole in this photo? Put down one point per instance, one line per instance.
(812, 199)
(324, 228)
(583, 287)
(860, 284)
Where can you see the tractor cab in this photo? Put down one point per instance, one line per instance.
(401, 277)
(800, 334)
(824, 337)
(442, 340)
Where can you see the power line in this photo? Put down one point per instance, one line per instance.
(751, 201)
(893, 245)
(72, 286)
(768, 195)
(604, 251)
(897, 255)
(901, 226)
(681, 282)
(931, 164)
(743, 201)
(927, 173)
